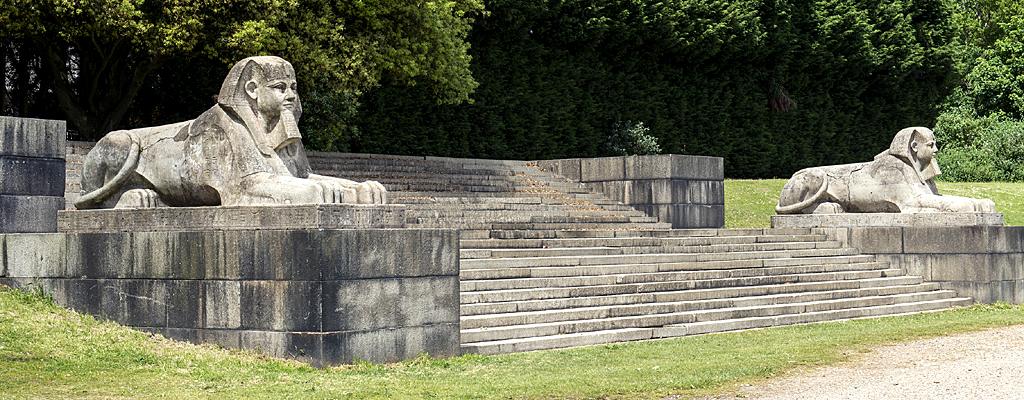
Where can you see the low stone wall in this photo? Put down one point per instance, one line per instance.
(982, 262)
(321, 296)
(31, 174)
(687, 191)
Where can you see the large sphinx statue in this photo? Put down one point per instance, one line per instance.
(245, 150)
(899, 180)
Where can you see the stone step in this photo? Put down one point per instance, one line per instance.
(470, 210)
(609, 233)
(613, 269)
(467, 254)
(652, 277)
(770, 258)
(562, 340)
(545, 227)
(495, 296)
(691, 295)
(520, 218)
(692, 317)
(632, 241)
(638, 309)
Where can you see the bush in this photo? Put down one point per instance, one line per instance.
(630, 139)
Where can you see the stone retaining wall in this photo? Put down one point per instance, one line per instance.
(982, 262)
(687, 191)
(321, 296)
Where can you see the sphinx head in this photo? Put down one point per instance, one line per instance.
(265, 88)
(916, 146)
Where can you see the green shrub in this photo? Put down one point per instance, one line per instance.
(630, 139)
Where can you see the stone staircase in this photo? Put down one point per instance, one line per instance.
(546, 264)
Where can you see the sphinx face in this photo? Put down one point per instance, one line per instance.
(275, 96)
(924, 147)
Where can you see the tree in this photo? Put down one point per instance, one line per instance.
(101, 54)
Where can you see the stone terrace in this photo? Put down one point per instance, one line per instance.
(546, 263)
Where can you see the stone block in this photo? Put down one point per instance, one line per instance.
(371, 304)
(877, 240)
(569, 168)
(280, 305)
(84, 296)
(100, 255)
(320, 216)
(229, 338)
(36, 255)
(673, 166)
(291, 254)
(3, 255)
(185, 303)
(192, 255)
(960, 267)
(698, 192)
(698, 167)
(183, 335)
(602, 169)
(979, 292)
(28, 176)
(223, 304)
(30, 137)
(660, 191)
(931, 240)
(134, 302)
(306, 347)
(390, 345)
(388, 253)
(1007, 267)
(31, 214)
(697, 216)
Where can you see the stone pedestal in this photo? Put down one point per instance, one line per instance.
(686, 191)
(336, 291)
(973, 254)
(31, 174)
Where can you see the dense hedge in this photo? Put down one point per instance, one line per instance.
(773, 86)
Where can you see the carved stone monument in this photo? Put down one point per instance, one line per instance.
(245, 150)
(898, 180)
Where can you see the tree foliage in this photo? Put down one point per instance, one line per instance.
(98, 57)
(771, 85)
(982, 123)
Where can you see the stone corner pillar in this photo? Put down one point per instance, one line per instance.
(31, 174)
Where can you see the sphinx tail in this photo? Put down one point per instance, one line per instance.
(95, 197)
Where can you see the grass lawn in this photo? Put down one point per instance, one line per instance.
(49, 352)
(749, 203)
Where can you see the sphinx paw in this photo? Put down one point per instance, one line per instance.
(139, 198)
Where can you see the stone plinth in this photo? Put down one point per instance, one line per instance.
(31, 174)
(324, 216)
(686, 191)
(324, 296)
(886, 220)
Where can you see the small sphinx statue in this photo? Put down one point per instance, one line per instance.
(245, 150)
(898, 180)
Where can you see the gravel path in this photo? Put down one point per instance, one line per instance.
(980, 365)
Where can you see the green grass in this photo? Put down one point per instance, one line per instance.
(750, 203)
(49, 352)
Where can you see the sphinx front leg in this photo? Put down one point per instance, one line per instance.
(368, 192)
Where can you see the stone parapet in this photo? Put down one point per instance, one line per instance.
(32, 174)
(847, 220)
(686, 191)
(320, 216)
(324, 296)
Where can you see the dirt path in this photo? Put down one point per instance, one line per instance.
(982, 365)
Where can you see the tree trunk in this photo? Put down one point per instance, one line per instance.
(103, 88)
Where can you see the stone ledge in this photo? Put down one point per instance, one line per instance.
(324, 216)
(854, 220)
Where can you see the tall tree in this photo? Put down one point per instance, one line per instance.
(100, 54)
